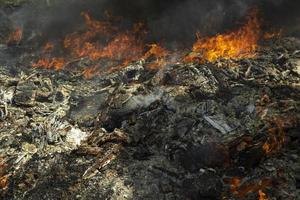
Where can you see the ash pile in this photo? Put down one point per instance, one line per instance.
(227, 129)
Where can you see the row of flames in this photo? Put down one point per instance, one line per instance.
(241, 190)
(101, 40)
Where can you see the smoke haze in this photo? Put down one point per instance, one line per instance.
(167, 20)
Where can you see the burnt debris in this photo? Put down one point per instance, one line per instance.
(198, 131)
(149, 128)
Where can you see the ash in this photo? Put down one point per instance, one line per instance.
(182, 132)
(227, 129)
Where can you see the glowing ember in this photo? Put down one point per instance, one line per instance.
(15, 37)
(241, 190)
(234, 184)
(277, 125)
(262, 195)
(235, 45)
(276, 134)
(267, 148)
(3, 177)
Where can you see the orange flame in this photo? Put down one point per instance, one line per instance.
(234, 183)
(277, 134)
(48, 47)
(16, 36)
(52, 63)
(90, 72)
(277, 126)
(270, 35)
(241, 190)
(235, 45)
(124, 47)
(3, 175)
(102, 40)
(262, 195)
(267, 148)
(157, 52)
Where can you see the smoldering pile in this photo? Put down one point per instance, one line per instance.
(225, 128)
(189, 131)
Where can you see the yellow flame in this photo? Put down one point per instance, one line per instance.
(235, 45)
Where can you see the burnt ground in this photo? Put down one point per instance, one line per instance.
(187, 131)
(222, 130)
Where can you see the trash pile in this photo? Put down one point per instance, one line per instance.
(227, 129)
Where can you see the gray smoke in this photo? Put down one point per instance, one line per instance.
(166, 20)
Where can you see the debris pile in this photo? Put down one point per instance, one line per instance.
(225, 129)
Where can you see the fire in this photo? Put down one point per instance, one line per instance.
(48, 47)
(16, 36)
(101, 40)
(267, 148)
(235, 45)
(4, 182)
(90, 72)
(4, 178)
(159, 53)
(276, 125)
(108, 48)
(234, 183)
(262, 195)
(270, 35)
(122, 46)
(52, 63)
(241, 189)
(276, 133)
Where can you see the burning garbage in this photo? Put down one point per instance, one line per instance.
(105, 108)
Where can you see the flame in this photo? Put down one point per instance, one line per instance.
(90, 72)
(16, 36)
(262, 195)
(49, 47)
(52, 63)
(124, 46)
(116, 48)
(159, 53)
(276, 125)
(276, 133)
(241, 190)
(234, 183)
(235, 45)
(270, 35)
(101, 40)
(3, 176)
(267, 148)
(4, 182)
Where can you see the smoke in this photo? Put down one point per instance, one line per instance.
(167, 20)
(282, 14)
